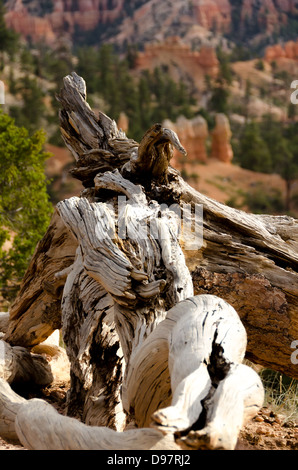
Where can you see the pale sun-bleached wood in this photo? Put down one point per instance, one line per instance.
(205, 340)
(199, 347)
(120, 292)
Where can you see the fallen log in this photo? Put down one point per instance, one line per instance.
(249, 260)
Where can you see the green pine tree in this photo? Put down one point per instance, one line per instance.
(32, 111)
(253, 150)
(25, 209)
(219, 97)
(8, 38)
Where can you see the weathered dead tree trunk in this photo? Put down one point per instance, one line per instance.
(119, 272)
(249, 260)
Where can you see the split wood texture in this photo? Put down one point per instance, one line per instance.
(150, 326)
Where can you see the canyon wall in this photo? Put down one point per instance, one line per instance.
(213, 14)
(141, 21)
(65, 17)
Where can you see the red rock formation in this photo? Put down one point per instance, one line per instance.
(221, 136)
(291, 50)
(65, 17)
(179, 57)
(213, 14)
(123, 122)
(26, 25)
(153, 19)
(287, 6)
(271, 14)
(193, 135)
(288, 51)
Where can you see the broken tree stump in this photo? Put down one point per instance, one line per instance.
(122, 279)
(249, 260)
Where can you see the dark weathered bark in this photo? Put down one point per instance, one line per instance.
(251, 261)
(92, 345)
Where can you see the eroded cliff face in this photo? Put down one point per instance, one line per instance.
(180, 60)
(143, 21)
(213, 14)
(46, 20)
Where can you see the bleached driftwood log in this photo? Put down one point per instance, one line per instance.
(123, 293)
(38, 426)
(200, 346)
(132, 272)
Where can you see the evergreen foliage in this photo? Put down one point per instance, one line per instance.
(253, 150)
(24, 206)
(8, 38)
(33, 109)
(270, 147)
